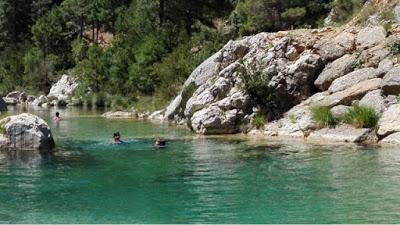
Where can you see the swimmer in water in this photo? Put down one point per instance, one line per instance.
(117, 138)
(160, 143)
(57, 118)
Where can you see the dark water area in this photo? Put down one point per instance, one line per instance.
(194, 180)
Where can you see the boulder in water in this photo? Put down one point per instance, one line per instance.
(10, 100)
(344, 133)
(26, 132)
(120, 114)
(40, 101)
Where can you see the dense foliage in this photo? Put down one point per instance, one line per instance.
(130, 48)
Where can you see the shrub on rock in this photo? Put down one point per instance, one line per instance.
(322, 116)
(361, 117)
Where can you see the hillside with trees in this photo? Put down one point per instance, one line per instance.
(134, 51)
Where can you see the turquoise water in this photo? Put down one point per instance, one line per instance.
(194, 180)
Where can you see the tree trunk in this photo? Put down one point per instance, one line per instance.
(188, 22)
(97, 30)
(93, 30)
(161, 11)
(82, 25)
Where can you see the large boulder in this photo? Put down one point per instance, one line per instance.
(40, 101)
(371, 36)
(294, 124)
(334, 70)
(13, 94)
(10, 101)
(356, 92)
(222, 117)
(301, 75)
(204, 97)
(20, 96)
(385, 65)
(375, 100)
(391, 81)
(26, 132)
(344, 133)
(353, 78)
(335, 48)
(390, 121)
(214, 120)
(373, 56)
(64, 88)
(393, 139)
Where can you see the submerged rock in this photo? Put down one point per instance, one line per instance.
(120, 114)
(344, 133)
(26, 132)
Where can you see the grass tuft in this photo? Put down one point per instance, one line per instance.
(323, 116)
(361, 117)
(259, 121)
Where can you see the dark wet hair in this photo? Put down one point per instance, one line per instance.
(116, 134)
(57, 114)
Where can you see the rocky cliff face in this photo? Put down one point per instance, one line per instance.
(333, 67)
(213, 99)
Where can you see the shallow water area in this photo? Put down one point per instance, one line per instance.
(194, 180)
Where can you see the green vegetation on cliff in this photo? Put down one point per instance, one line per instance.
(131, 48)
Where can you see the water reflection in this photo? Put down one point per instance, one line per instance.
(31, 158)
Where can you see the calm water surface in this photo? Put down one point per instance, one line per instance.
(195, 180)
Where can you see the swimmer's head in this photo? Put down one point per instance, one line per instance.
(116, 136)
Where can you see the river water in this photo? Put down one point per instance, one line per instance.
(194, 180)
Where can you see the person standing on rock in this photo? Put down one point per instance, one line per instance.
(57, 118)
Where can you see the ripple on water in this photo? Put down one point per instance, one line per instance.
(194, 180)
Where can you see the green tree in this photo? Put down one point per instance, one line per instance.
(254, 16)
(15, 22)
